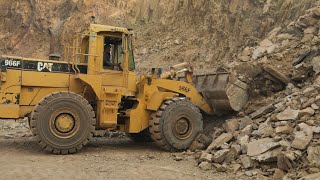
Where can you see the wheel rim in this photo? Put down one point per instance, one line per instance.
(64, 123)
(182, 127)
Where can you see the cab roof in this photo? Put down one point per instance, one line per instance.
(104, 28)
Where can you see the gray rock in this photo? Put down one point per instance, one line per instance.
(244, 58)
(243, 140)
(220, 168)
(258, 52)
(277, 73)
(266, 43)
(314, 156)
(178, 158)
(205, 166)
(231, 125)
(308, 130)
(316, 11)
(316, 129)
(252, 172)
(278, 174)
(301, 141)
(314, 106)
(233, 154)
(311, 177)
(309, 91)
(196, 145)
(99, 133)
(315, 62)
(307, 38)
(246, 131)
(285, 144)
(246, 161)
(244, 122)
(271, 49)
(262, 177)
(262, 111)
(286, 129)
(288, 114)
(310, 30)
(204, 139)
(220, 155)
(265, 130)
(286, 36)
(235, 167)
(269, 156)
(260, 146)
(306, 112)
(283, 162)
(313, 170)
(206, 157)
(8, 136)
(216, 143)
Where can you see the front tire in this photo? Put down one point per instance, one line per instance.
(63, 122)
(176, 124)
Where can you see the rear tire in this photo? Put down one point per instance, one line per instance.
(176, 124)
(63, 122)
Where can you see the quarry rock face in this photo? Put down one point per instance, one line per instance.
(201, 31)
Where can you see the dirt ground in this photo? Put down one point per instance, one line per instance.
(103, 158)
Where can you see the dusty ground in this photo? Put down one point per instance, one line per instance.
(103, 158)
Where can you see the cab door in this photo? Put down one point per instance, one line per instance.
(112, 79)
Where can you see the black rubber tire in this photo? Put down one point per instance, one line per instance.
(143, 136)
(162, 121)
(42, 117)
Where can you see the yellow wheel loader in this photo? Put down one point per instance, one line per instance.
(95, 87)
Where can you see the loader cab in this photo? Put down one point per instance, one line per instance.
(109, 49)
(110, 55)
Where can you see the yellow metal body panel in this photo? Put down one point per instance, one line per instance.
(30, 96)
(25, 110)
(9, 111)
(139, 118)
(44, 79)
(10, 94)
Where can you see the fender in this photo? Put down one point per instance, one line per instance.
(94, 81)
(157, 98)
(186, 89)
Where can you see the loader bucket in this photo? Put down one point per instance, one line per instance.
(222, 91)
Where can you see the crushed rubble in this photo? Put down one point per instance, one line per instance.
(277, 135)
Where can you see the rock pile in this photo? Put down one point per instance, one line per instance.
(14, 128)
(280, 138)
(288, 55)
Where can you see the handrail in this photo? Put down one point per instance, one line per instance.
(73, 53)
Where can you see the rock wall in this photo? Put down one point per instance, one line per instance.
(203, 32)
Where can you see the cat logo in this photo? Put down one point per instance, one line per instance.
(44, 67)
